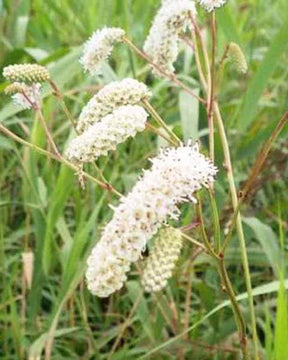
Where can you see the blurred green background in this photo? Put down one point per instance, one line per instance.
(44, 211)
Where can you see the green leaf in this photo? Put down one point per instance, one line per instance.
(267, 239)
(249, 106)
(38, 345)
(227, 24)
(281, 327)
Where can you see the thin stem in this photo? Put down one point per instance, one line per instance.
(159, 133)
(203, 231)
(203, 48)
(47, 132)
(59, 96)
(239, 226)
(198, 63)
(263, 155)
(210, 101)
(61, 159)
(160, 121)
(232, 226)
(236, 309)
(216, 223)
(253, 175)
(187, 237)
(172, 77)
(125, 325)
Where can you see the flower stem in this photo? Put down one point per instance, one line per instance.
(47, 132)
(61, 159)
(59, 96)
(235, 306)
(172, 77)
(160, 121)
(239, 226)
(158, 132)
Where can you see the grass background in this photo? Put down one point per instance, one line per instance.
(43, 209)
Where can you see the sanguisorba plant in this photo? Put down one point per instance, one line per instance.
(120, 110)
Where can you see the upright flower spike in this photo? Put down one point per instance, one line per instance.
(211, 5)
(162, 42)
(26, 73)
(103, 136)
(162, 259)
(26, 96)
(117, 93)
(237, 58)
(99, 47)
(176, 173)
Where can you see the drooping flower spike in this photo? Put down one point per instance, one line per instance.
(176, 173)
(161, 44)
(117, 93)
(105, 135)
(99, 47)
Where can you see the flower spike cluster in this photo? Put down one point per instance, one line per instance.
(113, 95)
(25, 87)
(99, 47)
(210, 5)
(161, 44)
(162, 259)
(103, 136)
(176, 173)
(109, 118)
(27, 73)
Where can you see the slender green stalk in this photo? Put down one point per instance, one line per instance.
(216, 223)
(263, 155)
(235, 306)
(61, 159)
(205, 239)
(193, 241)
(172, 77)
(239, 226)
(59, 96)
(210, 101)
(40, 116)
(161, 122)
(158, 132)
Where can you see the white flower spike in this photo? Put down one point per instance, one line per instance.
(161, 44)
(105, 135)
(176, 173)
(99, 47)
(117, 93)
